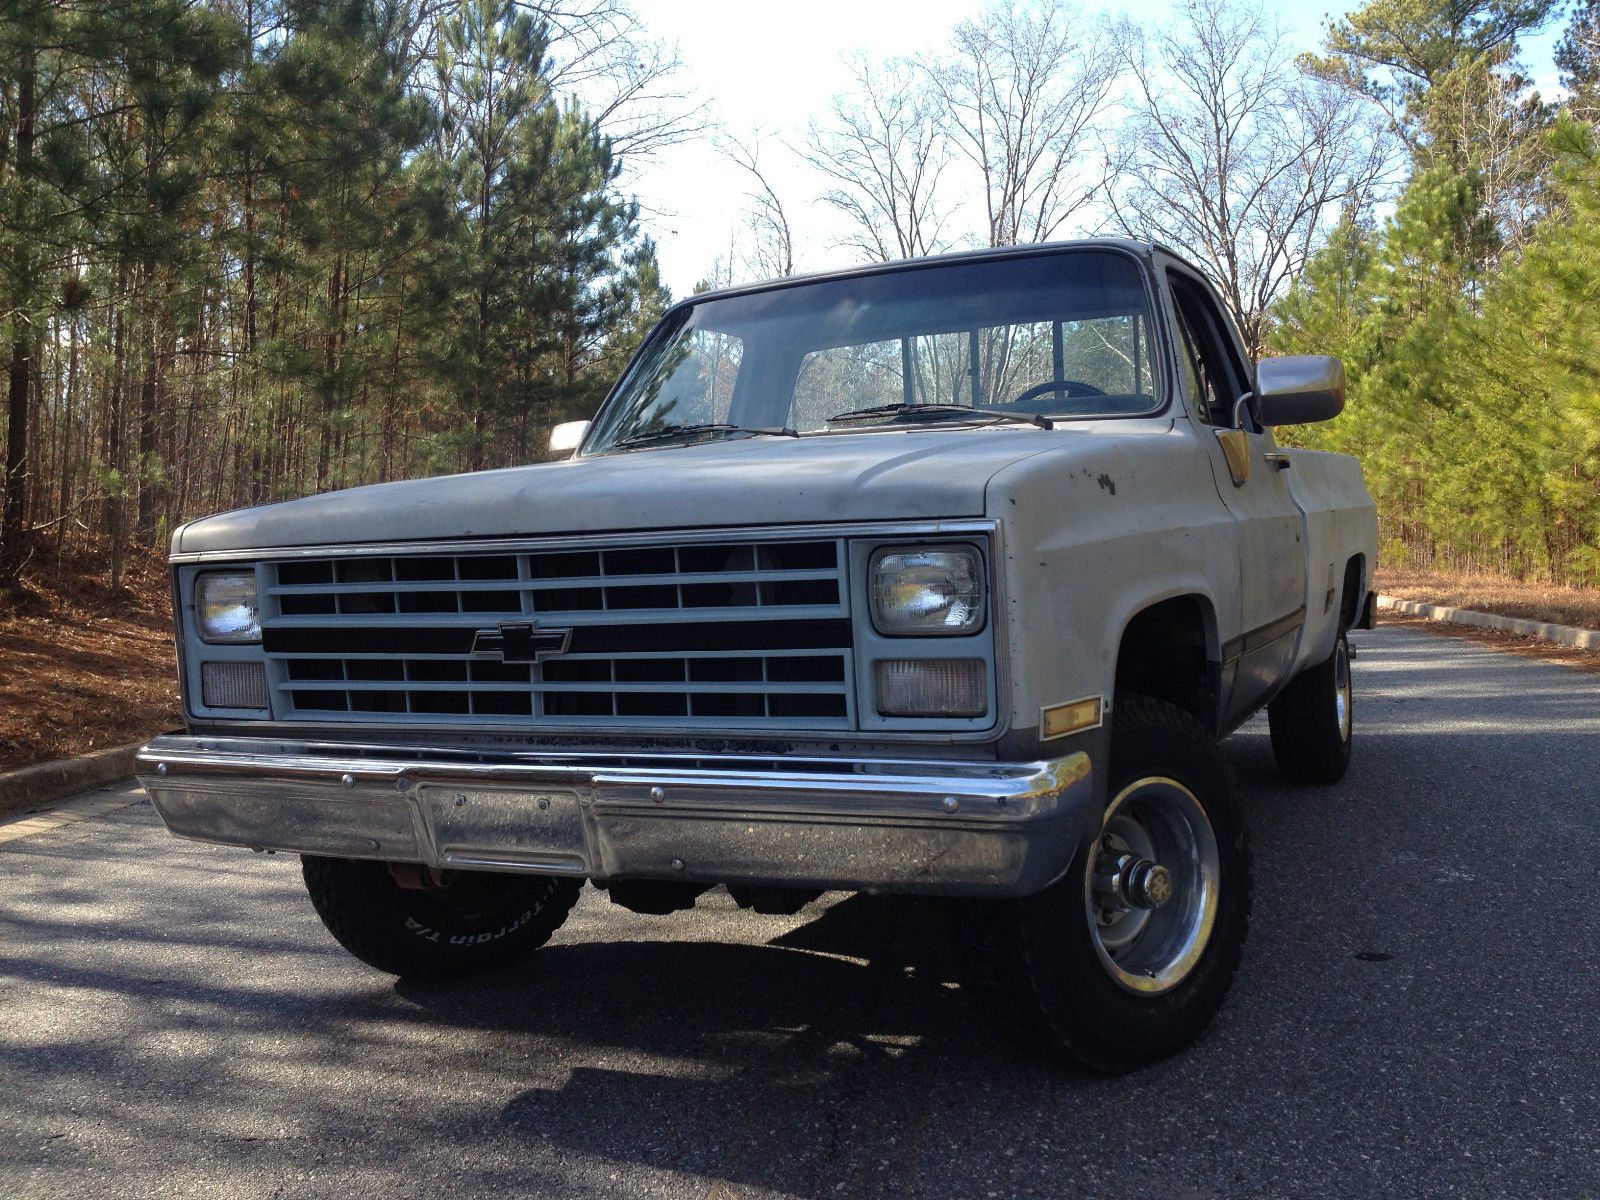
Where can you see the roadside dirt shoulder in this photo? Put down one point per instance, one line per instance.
(80, 669)
(1555, 604)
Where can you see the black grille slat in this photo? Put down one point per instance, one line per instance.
(703, 635)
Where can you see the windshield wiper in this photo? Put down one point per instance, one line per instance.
(986, 415)
(642, 436)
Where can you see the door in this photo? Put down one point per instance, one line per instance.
(1249, 477)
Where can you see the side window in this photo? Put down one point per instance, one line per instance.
(1202, 398)
(1215, 375)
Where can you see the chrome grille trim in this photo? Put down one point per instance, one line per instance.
(724, 634)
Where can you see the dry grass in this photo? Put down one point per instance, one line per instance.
(81, 669)
(1495, 594)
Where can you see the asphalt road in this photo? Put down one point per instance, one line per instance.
(1416, 1016)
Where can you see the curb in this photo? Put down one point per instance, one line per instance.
(43, 783)
(1567, 635)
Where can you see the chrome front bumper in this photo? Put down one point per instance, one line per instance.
(943, 828)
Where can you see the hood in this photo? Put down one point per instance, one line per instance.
(885, 475)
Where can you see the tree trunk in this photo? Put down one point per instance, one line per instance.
(13, 549)
(144, 530)
(67, 460)
(115, 509)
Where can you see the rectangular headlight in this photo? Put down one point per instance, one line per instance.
(225, 606)
(934, 591)
(931, 687)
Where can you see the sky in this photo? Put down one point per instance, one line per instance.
(766, 69)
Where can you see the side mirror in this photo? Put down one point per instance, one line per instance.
(1299, 389)
(568, 435)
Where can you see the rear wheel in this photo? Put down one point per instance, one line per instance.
(1127, 956)
(1312, 720)
(441, 924)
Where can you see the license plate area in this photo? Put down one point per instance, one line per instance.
(512, 829)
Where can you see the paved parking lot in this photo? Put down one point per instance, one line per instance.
(1418, 1013)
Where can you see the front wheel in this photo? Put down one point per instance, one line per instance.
(1126, 957)
(1312, 720)
(441, 924)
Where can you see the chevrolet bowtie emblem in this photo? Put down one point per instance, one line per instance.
(521, 642)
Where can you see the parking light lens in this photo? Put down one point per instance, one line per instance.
(931, 687)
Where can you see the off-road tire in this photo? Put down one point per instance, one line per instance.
(1313, 721)
(1036, 966)
(479, 921)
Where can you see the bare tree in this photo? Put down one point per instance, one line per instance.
(883, 149)
(772, 255)
(599, 52)
(631, 83)
(1024, 90)
(1234, 158)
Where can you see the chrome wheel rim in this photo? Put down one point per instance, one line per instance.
(1151, 885)
(1341, 688)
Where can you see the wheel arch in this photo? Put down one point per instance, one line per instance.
(1170, 649)
(1353, 597)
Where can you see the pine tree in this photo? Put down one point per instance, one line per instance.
(104, 98)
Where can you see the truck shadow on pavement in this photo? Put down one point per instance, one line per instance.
(827, 1049)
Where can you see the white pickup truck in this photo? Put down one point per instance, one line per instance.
(943, 576)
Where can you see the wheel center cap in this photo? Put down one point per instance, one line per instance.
(1129, 882)
(1148, 884)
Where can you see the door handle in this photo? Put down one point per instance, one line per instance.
(1278, 459)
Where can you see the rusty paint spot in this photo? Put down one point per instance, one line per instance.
(1107, 484)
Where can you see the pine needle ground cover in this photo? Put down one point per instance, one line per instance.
(81, 669)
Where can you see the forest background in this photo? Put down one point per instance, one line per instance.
(251, 249)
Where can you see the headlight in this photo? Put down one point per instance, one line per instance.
(937, 592)
(225, 605)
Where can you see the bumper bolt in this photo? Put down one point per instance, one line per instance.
(657, 795)
(951, 804)
(161, 769)
(349, 781)
(677, 864)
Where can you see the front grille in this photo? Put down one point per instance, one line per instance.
(716, 635)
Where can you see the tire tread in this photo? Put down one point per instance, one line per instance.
(1306, 743)
(354, 900)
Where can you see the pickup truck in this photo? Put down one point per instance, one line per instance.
(944, 577)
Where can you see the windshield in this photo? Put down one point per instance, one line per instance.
(1059, 336)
